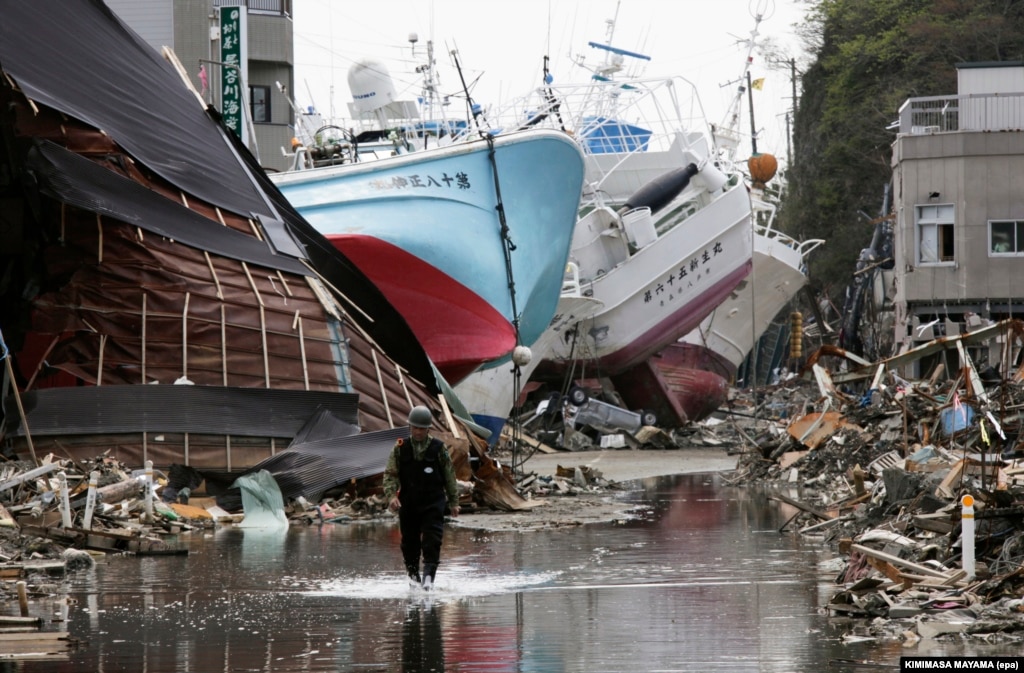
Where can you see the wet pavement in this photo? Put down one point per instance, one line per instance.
(702, 581)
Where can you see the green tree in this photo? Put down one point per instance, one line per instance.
(869, 57)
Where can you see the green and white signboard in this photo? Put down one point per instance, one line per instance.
(234, 66)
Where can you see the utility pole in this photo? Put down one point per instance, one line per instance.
(753, 125)
(789, 131)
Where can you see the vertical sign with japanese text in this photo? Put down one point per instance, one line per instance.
(234, 64)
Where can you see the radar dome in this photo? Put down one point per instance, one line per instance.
(371, 85)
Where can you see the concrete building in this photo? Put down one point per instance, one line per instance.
(192, 29)
(958, 174)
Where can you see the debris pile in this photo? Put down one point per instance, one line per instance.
(568, 481)
(918, 484)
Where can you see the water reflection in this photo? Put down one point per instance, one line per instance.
(422, 643)
(702, 582)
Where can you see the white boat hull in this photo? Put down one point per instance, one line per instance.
(493, 390)
(665, 289)
(730, 332)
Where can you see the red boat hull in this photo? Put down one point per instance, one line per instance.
(673, 386)
(457, 328)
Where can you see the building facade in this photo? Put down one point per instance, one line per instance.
(192, 29)
(958, 173)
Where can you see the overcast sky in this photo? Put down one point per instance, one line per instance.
(501, 45)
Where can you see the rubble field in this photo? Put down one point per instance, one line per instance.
(917, 485)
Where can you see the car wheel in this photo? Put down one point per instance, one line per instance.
(648, 417)
(578, 396)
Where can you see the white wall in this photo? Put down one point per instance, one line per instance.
(153, 20)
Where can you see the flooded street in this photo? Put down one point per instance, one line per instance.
(701, 582)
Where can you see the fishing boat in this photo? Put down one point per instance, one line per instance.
(698, 370)
(663, 229)
(688, 287)
(468, 241)
(708, 357)
(664, 233)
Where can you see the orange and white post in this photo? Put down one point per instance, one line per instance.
(967, 534)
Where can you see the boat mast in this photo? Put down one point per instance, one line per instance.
(427, 71)
(727, 135)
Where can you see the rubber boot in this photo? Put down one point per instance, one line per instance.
(429, 571)
(414, 573)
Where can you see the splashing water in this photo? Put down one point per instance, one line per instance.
(455, 581)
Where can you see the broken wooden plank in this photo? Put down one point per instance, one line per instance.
(886, 568)
(6, 520)
(944, 489)
(940, 526)
(790, 457)
(35, 645)
(814, 428)
(30, 474)
(896, 560)
(529, 441)
(130, 488)
(801, 506)
(48, 567)
(906, 357)
(955, 577)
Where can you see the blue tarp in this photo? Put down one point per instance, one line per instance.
(604, 136)
(956, 419)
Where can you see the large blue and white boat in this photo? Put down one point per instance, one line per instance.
(468, 241)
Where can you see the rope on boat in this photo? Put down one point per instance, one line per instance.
(549, 97)
(508, 247)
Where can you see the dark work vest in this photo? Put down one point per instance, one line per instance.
(421, 481)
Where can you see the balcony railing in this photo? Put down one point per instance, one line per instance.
(972, 112)
(273, 7)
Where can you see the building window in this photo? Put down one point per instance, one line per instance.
(1006, 237)
(259, 99)
(935, 233)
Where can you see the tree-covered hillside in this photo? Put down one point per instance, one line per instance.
(872, 55)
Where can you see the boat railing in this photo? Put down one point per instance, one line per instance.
(571, 286)
(764, 225)
(627, 116)
(808, 245)
(802, 247)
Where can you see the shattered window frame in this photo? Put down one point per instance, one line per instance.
(935, 227)
(1005, 238)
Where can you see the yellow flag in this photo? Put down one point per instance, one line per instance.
(757, 84)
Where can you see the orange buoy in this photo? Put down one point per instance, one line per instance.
(762, 168)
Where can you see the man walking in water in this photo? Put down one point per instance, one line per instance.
(419, 482)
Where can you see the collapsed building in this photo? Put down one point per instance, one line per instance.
(917, 481)
(159, 300)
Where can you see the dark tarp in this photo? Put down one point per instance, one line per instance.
(98, 190)
(308, 470)
(313, 468)
(324, 425)
(77, 56)
(244, 412)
